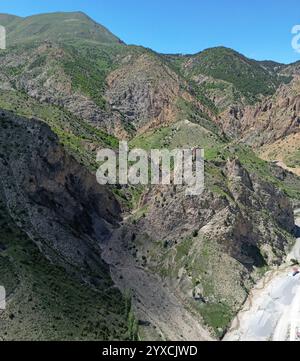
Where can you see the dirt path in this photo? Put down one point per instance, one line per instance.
(153, 301)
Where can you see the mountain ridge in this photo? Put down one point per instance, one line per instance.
(93, 93)
(84, 15)
(55, 26)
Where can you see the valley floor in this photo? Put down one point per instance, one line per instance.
(166, 316)
(272, 311)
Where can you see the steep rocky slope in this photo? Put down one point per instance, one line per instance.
(256, 102)
(117, 88)
(189, 261)
(228, 77)
(209, 250)
(66, 60)
(268, 121)
(54, 217)
(272, 126)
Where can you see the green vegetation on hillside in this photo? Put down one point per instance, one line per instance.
(80, 138)
(245, 74)
(45, 303)
(217, 150)
(250, 78)
(88, 66)
(76, 76)
(56, 26)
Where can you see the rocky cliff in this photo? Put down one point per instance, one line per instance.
(210, 249)
(54, 218)
(188, 261)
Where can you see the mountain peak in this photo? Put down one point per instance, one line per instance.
(57, 26)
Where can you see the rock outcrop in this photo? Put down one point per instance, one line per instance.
(55, 200)
(214, 246)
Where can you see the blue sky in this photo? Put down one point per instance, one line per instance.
(260, 29)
